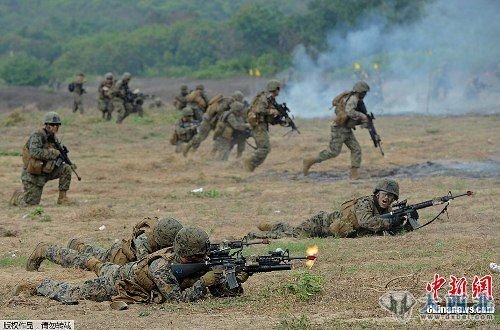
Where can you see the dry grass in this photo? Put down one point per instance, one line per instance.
(130, 171)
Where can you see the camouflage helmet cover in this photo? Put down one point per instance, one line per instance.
(187, 112)
(200, 87)
(238, 96)
(237, 106)
(184, 87)
(387, 185)
(191, 241)
(52, 118)
(360, 87)
(126, 76)
(272, 85)
(165, 230)
(108, 76)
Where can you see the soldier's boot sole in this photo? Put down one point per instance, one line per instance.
(37, 257)
(14, 200)
(75, 244)
(28, 287)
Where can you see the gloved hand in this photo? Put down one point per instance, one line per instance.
(242, 277)
(395, 222)
(73, 166)
(211, 278)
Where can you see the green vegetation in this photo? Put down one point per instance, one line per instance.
(45, 41)
(10, 261)
(212, 193)
(306, 285)
(39, 213)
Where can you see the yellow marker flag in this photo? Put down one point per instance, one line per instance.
(250, 72)
(257, 72)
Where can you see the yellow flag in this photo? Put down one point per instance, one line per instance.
(257, 72)
(250, 72)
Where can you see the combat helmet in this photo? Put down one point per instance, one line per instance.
(200, 87)
(237, 106)
(387, 185)
(165, 231)
(237, 96)
(360, 87)
(191, 241)
(126, 76)
(108, 76)
(52, 117)
(184, 88)
(187, 112)
(272, 85)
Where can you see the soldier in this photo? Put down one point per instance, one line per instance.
(350, 111)
(232, 129)
(149, 280)
(148, 236)
(122, 102)
(216, 107)
(180, 100)
(357, 217)
(78, 91)
(105, 95)
(198, 101)
(41, 163)
(156, 102)
(185, 129)
(260, 115)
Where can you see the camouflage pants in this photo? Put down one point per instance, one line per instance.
(341, 136)
(98, 289)
(67, 258)
(123, 108)
(106, 107)
(316, 226)
(33, 184)
(261, 136)
(203, 131)
(104, 255)
(77, 103)
(224, 146)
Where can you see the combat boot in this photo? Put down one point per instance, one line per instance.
(265, 226)
(186, 149)
(247, 163)
(14, 200)
(75, 244)
(63, 199)
(307, 163)
(93, 264)
(28, 287)
(354, 173)
(37, 257)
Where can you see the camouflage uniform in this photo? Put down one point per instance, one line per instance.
(180, 100)
(185, 129)
(198, 101)
(357, 217)
(145, 281)
(38, 148)
(148, 236)
(216, 107)
(259, 118)
(232, 129)
(104, 96)
(120, 101)
(77, 94)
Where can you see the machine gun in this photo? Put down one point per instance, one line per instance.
(409, 211)
(231, 263)
(283, 118)
(63, 155)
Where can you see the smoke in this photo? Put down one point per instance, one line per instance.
(446, 63)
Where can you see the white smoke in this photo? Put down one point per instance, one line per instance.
(456, 40)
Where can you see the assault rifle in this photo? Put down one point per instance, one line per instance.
(283, 118)
(230, 264)
(377, 141)
(409, 211)
(63, 155)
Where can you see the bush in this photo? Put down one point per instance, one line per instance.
(24, 70)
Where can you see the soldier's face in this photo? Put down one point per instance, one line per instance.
(52, 128)
(385, 199)
(362, 95)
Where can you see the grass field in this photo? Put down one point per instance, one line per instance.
(130, 172)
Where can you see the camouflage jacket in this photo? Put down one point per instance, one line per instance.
(122, 90)
(185, 130)
(197, 99)
(105, 90)
(368, 215)
(79, 90)
(260, 109)
(354, 109)
(180, 101)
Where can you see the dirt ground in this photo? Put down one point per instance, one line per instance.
(130, 171)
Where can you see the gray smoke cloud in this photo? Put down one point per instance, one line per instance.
(446, 63)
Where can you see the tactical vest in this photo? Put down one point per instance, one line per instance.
(216, 107)
(126, 252)
(347, 224)
(255, 118)
(37, 166)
